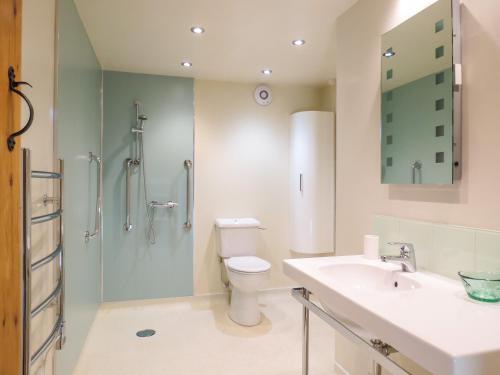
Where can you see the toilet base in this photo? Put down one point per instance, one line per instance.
(244, 308)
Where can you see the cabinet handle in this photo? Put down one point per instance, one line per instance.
(13, 84)
(301, 182)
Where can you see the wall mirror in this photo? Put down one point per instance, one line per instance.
(421, 91)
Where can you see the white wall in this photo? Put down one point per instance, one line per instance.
(475, 200)
(37, 65)
(241, 169)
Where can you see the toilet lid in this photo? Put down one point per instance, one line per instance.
(248, 264)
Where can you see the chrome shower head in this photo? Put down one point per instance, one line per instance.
(140, 121)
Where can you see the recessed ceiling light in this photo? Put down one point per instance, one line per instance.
(186, 64)
(298, 42)
(197, 30)
(267, 72)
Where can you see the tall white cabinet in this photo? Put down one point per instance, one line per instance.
(312, 174)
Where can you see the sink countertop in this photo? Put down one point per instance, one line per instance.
(433, 322)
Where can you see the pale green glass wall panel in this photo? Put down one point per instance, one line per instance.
(442, 249)
(78, 121)
(488, 251)
(413, 131)
(133, 268)
(387, 228)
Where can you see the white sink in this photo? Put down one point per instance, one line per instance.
(367, 277)
(426, 317)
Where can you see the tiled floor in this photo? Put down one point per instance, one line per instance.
(195, 336)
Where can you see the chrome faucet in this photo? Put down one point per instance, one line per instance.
(406, 258)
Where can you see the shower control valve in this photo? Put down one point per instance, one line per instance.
(169, 204)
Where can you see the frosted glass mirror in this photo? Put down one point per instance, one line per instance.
(421, 77)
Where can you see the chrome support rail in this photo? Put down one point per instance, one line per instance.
(98, 205)
(188, 164)
(374, 349)
(305, 334)
(129, 163)
(56, 336)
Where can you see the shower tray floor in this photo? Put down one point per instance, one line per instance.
(194, 336)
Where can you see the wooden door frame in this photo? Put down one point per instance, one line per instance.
(11, 317)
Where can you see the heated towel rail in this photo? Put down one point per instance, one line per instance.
(56, 336)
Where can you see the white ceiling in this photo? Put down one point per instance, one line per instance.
(242, 37)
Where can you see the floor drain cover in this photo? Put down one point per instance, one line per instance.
(146, 333)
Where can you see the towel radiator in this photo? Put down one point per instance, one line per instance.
(56, 336)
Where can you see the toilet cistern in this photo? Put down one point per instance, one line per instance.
(246, 272)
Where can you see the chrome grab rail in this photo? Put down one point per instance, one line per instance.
(48, 300)
(128, 194)
(57, 332)
(45, 218)
(188, 164)
(98, 206)
(46, 260)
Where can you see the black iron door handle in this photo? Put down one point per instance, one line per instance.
(13, 84)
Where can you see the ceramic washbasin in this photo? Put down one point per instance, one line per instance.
(370, 278)
(426, 317)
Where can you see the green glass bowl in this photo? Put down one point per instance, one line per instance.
(481, 286)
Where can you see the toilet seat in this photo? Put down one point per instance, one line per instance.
(248, 264)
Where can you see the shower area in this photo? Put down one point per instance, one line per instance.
(127, 143)
(148, 129)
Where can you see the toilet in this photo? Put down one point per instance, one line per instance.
(246, 272)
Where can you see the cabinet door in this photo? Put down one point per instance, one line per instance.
(300, 184)
(311, 182)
